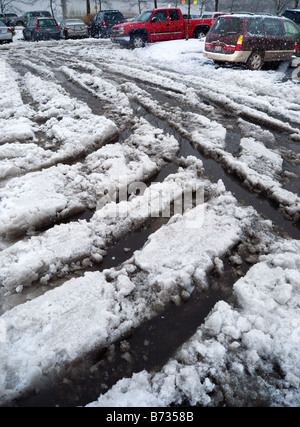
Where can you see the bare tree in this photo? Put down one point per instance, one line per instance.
(141, 4)
(281, 5)
(216, 5)
(104, 3)
(88, 7)
(5, 5)
(64, 8)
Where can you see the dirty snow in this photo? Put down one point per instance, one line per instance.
(62, 153)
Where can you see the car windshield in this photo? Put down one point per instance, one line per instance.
(227, 26)
(113, 16)
(143, 17)
(74, 21)
(47, 23)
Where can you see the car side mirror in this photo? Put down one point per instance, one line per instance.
(154, 19)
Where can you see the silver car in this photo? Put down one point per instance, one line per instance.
(73, 28)
(6, 35)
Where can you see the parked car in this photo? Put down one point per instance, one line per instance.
(293, 15)
(102, 23)
(6, 18)
(41, 29)
(23, 19)
(6, 35)
(73, 28)
(252, 40)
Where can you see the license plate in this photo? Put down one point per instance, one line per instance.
(218, 48)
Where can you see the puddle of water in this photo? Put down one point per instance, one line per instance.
(232, 141)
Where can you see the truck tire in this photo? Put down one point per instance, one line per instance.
(200, 32)
(137, 40)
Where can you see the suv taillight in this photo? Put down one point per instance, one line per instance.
(239, 43)
(295, 47)
(104, 23)
(36, 25)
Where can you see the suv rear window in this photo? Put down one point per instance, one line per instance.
(113, 16)
(227, 26)
(47, 23)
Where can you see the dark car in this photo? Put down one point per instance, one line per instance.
(6, 35)
(102, 23)
(252, 40)
(6, 18)
(293, 15)
(73, 28)
(41, 29)
(22, 20)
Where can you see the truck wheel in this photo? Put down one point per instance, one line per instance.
(137, 40)
(200, 33)
(255, 61)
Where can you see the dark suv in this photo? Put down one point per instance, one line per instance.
(252, 40)
(41, 29)
(23, 19)
(293, 15)
(102, 23)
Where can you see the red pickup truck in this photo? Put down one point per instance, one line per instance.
(158, 25)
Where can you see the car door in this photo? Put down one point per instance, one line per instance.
(176, 27)
(275, 42)
(159, 26)
(254, 39)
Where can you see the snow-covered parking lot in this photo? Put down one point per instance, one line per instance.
(149, 228)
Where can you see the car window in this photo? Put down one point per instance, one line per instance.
(31, 22)
(273, 27)
(113, 16)
(227, 26)
(47, 23)
(290, 29)
(143, 17)
(255, 27)
(74, 21)
(174, 15)
(160, 16)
